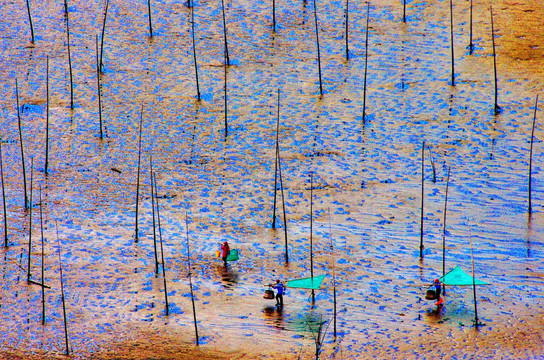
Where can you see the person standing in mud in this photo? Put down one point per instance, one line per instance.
(225, 250)
(279, 293)
(438, 288)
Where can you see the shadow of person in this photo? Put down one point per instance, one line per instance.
(273, 315)
(228, 276)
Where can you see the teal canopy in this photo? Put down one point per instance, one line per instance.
(458, 277)
(306, 283)
(233, 255)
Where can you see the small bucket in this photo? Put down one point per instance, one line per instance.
(430, 294)
(218, 253)
(268, 294)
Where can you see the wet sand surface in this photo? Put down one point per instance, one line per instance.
(366, 180)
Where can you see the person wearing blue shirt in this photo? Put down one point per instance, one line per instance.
(279, 292)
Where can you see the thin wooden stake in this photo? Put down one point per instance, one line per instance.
(149, 15)
(99, 89)
(226, 104)
(422, 198)
(497, 109)
(43, 257)
(276, 163)
(452, 51)
(69, 56)
(366, 61)
(47, 119)
(136, 231)
(444, 228)
(194, 52)
(162, 250)
(530, 159)
(470, 44)
(102, 37)
(4, 198)
(30, 21)
(311, 232)
(283, 204)
(28, 274)
(404, 11)
(227, 58)
(476, 321)
(347, 30)
(318, 50)
(21, 142)
(190, 281)
(67, 352)
(153, 212)
(432, 163)
(333, 276)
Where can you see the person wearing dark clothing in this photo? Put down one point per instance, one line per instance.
(225, 250)
(279, 292)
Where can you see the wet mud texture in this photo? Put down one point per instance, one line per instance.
(367, 176)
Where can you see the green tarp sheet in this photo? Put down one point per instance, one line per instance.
(233, 255)
(306, 283)
(458, 277)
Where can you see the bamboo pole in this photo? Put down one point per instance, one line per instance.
(4, 198)
(21, 143)
(43, 260)
(276, 163)
(102, 37)
(530, 159)
(476, 321)
(136, 231)
(318, 50)
(311, 232)
(67, 352)
(444, 228)
(226, 103)
(162, 250)
(190, 281)
(283, 204)
(366, 61)
(470, 44)
(227, 58)
(153, 213)
(497, 109)
(422, 198)
(149, 15)
(69, 56)
(28, 273)
(194, 52)
(452, 50)
(274, 15)
(346, 36)
(47, 118)
(333, 276)
(30, 21)
(99, 89)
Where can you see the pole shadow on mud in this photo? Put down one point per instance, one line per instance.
(190, 278)
(21, 144)
(67, 351)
